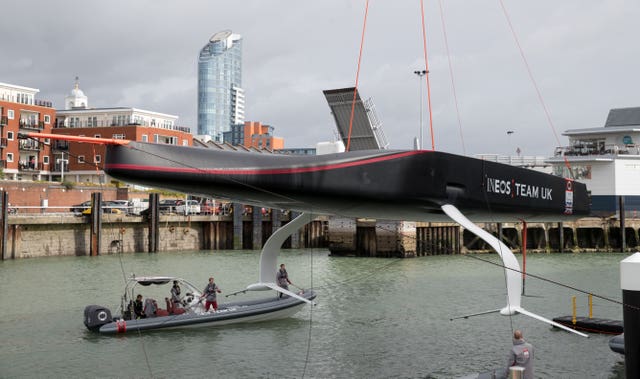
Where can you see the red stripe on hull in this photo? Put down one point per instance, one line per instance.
(271, 171)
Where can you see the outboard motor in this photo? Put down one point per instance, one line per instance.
(95, 316)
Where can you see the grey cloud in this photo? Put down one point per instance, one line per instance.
(144, 54)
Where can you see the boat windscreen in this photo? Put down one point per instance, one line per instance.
(148, 282)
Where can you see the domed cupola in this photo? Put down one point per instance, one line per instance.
(76, 99)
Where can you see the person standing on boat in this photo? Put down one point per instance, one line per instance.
(175, 294)
(282, 279)
(138, 307)
(521, 355)
(210, 293)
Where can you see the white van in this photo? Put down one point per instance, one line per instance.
(138, 205)
(192, 207)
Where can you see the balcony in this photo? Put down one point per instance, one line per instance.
(43, 103)
(3, 121)
(34, 125)
(58, 145)
(586, 149)
(3, 143)
(28, 145)
(3, 163)
(28, 167)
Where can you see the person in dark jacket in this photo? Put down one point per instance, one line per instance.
(282, 278)
(521, 355)
(138, 307)
(176, 300)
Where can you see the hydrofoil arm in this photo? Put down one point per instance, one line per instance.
(269, 257)
(511, 267)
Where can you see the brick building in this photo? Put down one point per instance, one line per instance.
(80, 162)
(254, 134)
(21, 112)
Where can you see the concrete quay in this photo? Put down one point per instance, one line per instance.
(41, 235)
(63, 234)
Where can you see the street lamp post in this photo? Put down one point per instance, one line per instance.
(509, 133)
(61, 162)
(420, 74)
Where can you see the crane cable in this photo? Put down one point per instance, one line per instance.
(535, 84)
(355, 89)
(426, 65)
(453, 83)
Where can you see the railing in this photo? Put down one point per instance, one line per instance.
(587, 150)
(22, 166)
(3, 142)
(58, 166)
(58, 145)
(3, 163)
(28, 145)
(3, 121)
(27, 124)
(43, 103)
(518, 161)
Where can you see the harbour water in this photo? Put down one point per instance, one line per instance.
(374, 318)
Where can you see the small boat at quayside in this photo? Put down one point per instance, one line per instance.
(191, 313)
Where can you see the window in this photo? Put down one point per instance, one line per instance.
(47, 119)
(97, 159)
(45, 159)
(145, 138)
(118, 136)
(96, 136)
(80, 158)
(9, 157)
(10, 136)
(47, 141)
(10, 114)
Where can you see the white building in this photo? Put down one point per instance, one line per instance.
(77, 114)
(607, 160)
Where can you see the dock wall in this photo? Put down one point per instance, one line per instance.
(369, 238)
(28, 236)
(31, 236)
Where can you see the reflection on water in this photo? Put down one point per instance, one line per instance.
(375, 318)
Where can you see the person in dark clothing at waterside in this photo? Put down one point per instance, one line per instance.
(521, 355)
(282, 279)
(138, 307)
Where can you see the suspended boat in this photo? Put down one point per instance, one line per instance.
(408, 185)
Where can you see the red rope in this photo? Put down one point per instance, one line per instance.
(426, 64)
(533, 81)
(453, 84)
(355, 89)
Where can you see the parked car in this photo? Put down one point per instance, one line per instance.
(207, 206)
(168, 205)
(118, 205)
(79, 208)
(107, 207)
(188, 207)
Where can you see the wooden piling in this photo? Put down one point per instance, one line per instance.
(154, 223)
(96, 224)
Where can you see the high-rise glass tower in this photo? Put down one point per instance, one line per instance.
(220, 93)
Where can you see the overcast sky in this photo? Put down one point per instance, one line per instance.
(583, 54)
